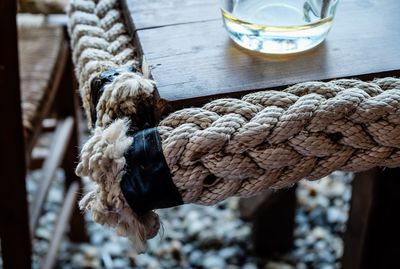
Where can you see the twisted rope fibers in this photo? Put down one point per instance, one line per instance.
(101, 43)
(228, 147)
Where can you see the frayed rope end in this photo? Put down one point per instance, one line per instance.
(103, 160)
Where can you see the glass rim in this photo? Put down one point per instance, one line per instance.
(278, 28)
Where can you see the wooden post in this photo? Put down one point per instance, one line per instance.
(14, 224)
(272, 215)
(373, 235)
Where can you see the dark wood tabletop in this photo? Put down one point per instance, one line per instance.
(193, 60)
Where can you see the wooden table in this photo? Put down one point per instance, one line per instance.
(192, 60)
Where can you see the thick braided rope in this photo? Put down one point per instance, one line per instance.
(273, 139)
(228, 147)
(100, 41)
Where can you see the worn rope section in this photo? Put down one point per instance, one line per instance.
(268, 139)
(100, 42)
(272, 139)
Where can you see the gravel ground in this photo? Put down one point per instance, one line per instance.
(210, 237)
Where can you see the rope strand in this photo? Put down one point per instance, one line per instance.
(273, 139)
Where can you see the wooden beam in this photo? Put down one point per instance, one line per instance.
(61, 226)
(14, 224)
(372, 236)
(57, 150)
(272, 215)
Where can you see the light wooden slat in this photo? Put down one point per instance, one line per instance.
(57, 150)
(157, 13)
(62, 224)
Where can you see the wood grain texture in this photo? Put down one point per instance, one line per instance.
(194, 61)
(157, 13)
(43, 54)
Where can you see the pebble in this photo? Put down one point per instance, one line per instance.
(299, 243)
(153, 264)
(278, 265)
(334, 215)
(299, 252)
(120, 263)
(326, 256)
(187, 248)
(43, 233)
(107, 260)
(196, 257)
(327, 266)
(90, 252)
(56, 195)
(319, 233)
(78, 259)
(249, 266)
(320, 245)
(228, 252)
(318, 216)
(301, 266)
(113, 248)
(347, 195)
(309, 257)
(337, 246)
(231, 266)
(97, 238)
(214, 262)
(143, 260)
(194, 228)
(91, 264)
(208, 239)
(41, 246)
(301, 218)
(301, 230)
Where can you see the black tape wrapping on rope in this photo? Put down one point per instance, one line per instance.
(147, 183)
(98, 83)
(143, 119)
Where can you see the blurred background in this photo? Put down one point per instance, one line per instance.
(195, 236)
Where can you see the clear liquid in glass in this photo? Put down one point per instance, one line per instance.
(278, 26)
